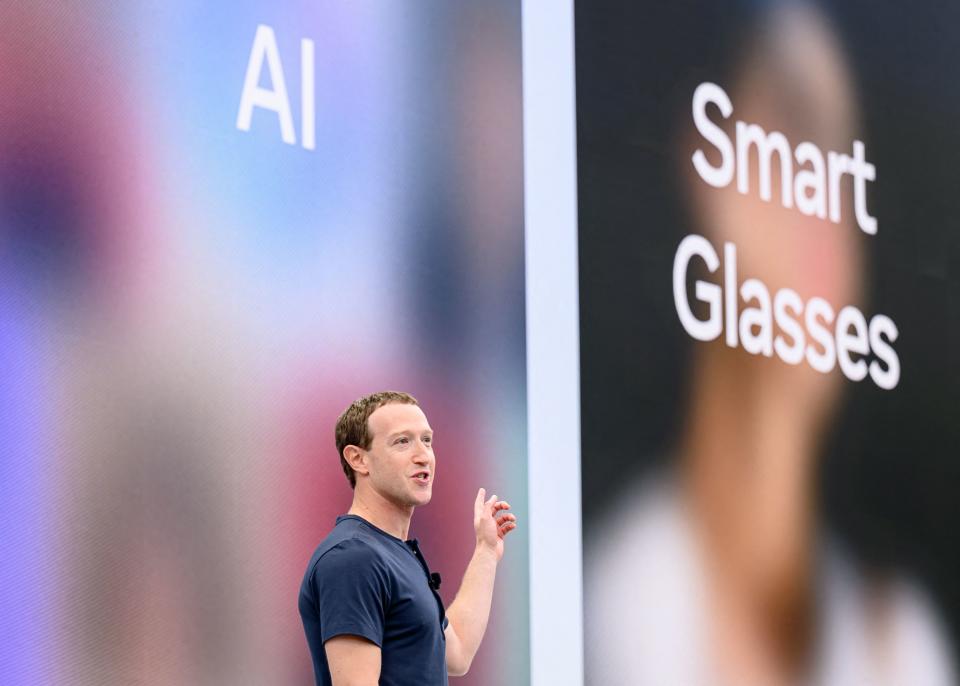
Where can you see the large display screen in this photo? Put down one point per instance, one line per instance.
(769, 319)
(220, 223)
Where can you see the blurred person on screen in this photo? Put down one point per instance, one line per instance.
(717, 572)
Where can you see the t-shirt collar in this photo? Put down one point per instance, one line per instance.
(407, 543)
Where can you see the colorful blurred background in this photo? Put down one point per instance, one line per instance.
(186, 307)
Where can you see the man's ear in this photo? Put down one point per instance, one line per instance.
(356, 457)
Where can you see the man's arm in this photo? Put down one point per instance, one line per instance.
(353, 661)
(470, 610)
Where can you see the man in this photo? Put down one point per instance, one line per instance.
(368, 601)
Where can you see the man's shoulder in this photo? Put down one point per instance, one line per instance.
(345, 562)
(353, 547)
(349, 546)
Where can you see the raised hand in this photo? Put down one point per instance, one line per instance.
(492, 521)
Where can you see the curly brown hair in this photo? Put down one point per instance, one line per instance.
(353, 429)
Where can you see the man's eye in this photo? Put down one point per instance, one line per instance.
(402, 439)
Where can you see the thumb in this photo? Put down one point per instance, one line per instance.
(481, 494)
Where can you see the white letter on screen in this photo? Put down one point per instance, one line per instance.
(881, 326)
(715, 176)
(308, 123)
(276, 100)
(706, 292)
(853, 369)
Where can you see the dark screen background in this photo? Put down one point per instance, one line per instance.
(889, 483)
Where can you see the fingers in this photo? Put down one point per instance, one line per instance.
(506, 521)
(478, 504)
(505, 525)
(489, 505)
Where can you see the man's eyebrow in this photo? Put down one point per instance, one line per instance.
(408, 432)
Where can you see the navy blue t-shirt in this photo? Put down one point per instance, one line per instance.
(364, 582)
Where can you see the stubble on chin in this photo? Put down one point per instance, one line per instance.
(411, 498)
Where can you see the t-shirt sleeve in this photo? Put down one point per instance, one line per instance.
(352, 592)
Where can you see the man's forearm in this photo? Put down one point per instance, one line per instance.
(470, 610)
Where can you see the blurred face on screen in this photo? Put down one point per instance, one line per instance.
(793, 80)
(401, 460)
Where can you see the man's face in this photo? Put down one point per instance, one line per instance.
(402, 464)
